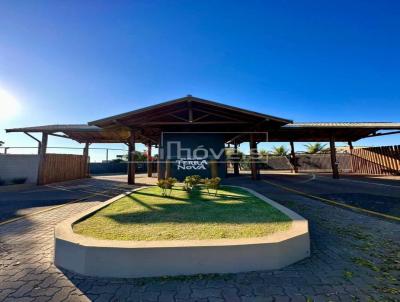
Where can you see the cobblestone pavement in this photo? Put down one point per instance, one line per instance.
(15, 202)
(354, 258)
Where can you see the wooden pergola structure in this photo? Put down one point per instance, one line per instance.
(195, 115)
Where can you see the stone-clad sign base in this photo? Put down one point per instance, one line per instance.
(116, 258)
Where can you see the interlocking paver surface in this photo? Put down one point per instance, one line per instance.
(353, 258)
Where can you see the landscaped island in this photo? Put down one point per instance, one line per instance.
(156, 231)
(147, 215)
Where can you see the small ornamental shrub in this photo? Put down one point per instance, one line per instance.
(191, 181)
(19, 180)
(2, 182)
(166, 184)
(212, 184)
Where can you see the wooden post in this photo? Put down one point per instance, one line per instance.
(334, 164)
(86, 155)
(253, 158)
(42, 158)
(131, 159)
(160, 170)
(149, 161)
(214, 168)
(168, 168)
(351, 156)
(294, 159)
(235, 160)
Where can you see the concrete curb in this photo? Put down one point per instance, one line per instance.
(124, 259)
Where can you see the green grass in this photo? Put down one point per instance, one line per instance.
(146, 215)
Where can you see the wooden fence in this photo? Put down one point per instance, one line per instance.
(373, 160)
(377, 160)
(62, 167)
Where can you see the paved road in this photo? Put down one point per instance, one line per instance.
(15, 203)
(353, 258)
(378, 195)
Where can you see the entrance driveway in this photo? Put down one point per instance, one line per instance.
(354, 257)
(16, 202)
(378, 194)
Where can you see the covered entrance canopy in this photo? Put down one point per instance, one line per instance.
(190, 114)
(194, 115)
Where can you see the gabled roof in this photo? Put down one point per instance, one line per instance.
(182, 103)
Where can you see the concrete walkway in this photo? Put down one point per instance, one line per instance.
(354, 258)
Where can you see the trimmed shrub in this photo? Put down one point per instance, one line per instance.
(191, 181)
(166, 184)
(212, 183)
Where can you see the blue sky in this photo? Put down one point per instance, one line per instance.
(77, 61)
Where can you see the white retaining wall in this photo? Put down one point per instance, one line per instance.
(19, 165)
(133, 259)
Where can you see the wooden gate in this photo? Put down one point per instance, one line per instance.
(62, 167)
(377, 160)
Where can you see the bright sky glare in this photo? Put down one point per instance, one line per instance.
(9, 105)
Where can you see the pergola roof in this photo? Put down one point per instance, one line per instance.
(341, 131)
(80, 132)
(322, 125)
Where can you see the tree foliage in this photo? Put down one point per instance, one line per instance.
(313, 148)
(280, 150)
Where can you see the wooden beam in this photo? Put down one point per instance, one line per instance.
(190, 111)
(160, 174)
(351, 156)
(119, 123)
(131, 159)
(200, 117)
(236, 160)
(86, 155)
(334, 163)
(211, 112)
(39, 142)
(146, 119)
(149, 161)
(293, 158)
(382, 134)
(60, 135)
(197, 123)
(233, 139)
(42, 158)
(148, 138)
(178, 117)
(255, 175)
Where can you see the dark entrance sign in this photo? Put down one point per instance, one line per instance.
(187, 154)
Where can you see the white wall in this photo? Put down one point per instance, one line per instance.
(19, 165)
